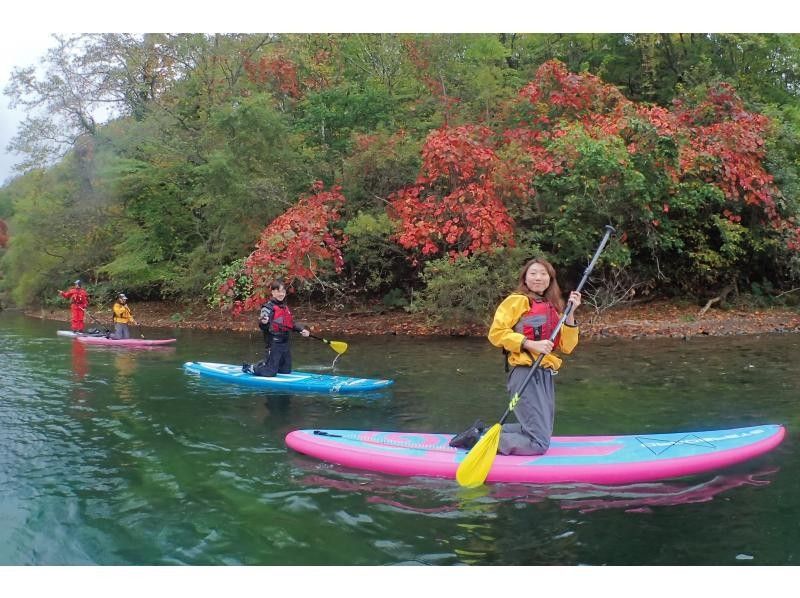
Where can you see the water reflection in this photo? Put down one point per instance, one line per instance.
(125, 364)
(640, 498)
(481, 520)
(417, 494)
(80, 368)
(278, 404)
(79, 365)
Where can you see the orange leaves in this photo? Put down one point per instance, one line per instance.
(472, 173)
(455, 207)
(278, 71)
(731, 216)
(725, 146)
(460, 153)
(718, 141)
(298, 242)
(555, 90)
(470, 219)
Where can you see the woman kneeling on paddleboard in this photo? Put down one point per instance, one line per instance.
(522, 326)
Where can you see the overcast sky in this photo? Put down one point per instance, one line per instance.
(25, 37)
(16, 51)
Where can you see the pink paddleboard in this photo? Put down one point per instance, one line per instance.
(124, 342)
(592, 459)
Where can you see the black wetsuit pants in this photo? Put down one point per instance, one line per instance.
(278, 361)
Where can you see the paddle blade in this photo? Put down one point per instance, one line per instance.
(476, 465)
(338, 346)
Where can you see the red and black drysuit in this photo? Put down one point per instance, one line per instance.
(79, 300)
(277, 323)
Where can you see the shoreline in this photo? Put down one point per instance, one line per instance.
(653, 320)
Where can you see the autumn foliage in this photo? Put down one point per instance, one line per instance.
(474, 176)
(568, 154)
(454, 208)
(296, 245)
(3, 233)
(278, 73)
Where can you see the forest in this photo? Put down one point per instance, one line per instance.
(406, 171)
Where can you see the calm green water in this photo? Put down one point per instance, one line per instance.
(114, 457)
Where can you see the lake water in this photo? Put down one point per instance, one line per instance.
(111, 456)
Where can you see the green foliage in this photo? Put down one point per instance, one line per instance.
(55, 232)
(237, 284)
(467, 290)
(379, 164)
(374, 264)
(395, 298)
(138, 265)
(331, 116)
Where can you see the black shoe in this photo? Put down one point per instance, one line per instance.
(469, 437)
(247, 368)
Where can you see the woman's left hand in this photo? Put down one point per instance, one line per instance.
(575, 297)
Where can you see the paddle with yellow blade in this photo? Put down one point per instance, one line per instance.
(476, 465)
(338, 346)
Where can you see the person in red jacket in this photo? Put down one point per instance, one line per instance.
(79, 300)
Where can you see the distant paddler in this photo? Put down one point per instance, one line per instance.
(79, 299)
(122, 317)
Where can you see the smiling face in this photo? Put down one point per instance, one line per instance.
(279, 293)
(537, 279)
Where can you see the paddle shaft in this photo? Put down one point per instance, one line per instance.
(94, 319)
(609, 231)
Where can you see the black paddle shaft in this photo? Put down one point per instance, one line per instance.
(609, 231)
(94, 319)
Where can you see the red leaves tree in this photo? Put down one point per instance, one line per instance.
(3, 233)
(295, 246)
(454, 208)
(584, 154)
(718, 140)
(276, 72)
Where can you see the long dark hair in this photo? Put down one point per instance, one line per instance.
(552, 293)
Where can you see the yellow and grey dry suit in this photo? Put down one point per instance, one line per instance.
(122, 317)
(519, 318)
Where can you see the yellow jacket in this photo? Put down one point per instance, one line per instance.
(122, 314)
(502, 334)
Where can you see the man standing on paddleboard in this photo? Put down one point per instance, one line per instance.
(78, 299)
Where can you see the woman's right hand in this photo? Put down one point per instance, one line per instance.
(544, 346)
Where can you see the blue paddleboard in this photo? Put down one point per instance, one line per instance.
(296, 381)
